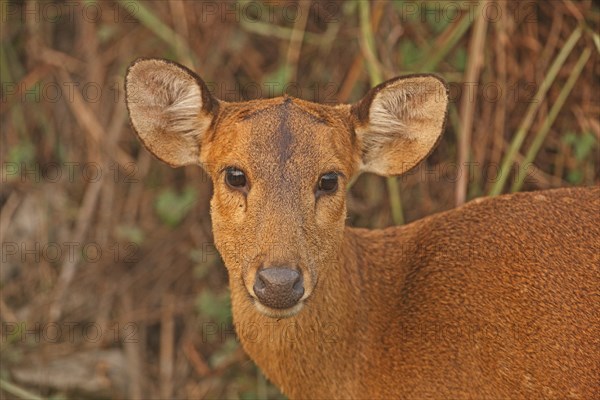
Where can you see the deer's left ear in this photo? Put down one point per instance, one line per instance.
(399, 122)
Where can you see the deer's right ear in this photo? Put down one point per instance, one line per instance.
(170, 109)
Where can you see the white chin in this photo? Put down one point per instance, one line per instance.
(277, 313)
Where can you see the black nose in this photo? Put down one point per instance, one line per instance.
(278, 287)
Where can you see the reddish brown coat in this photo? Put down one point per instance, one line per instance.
(496, 299)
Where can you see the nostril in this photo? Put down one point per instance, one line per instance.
(299, 285)
(278, 287)
(259, 283)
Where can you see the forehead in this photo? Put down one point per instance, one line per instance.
(284, 133)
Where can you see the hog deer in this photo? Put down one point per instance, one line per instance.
(496, 299)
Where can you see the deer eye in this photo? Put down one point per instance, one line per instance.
(328, 182)
(235, 178)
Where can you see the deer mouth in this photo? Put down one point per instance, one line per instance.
(278, 313)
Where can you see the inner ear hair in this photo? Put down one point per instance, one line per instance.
(399, 122)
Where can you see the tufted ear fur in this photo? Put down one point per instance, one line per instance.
(399, 122)
(170, 109)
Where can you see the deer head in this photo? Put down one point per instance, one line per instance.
(280, 168)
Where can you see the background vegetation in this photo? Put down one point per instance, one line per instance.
(110, 285)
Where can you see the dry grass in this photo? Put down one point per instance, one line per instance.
(110, 285)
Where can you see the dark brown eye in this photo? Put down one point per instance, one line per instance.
(235, 178)
(328, 182)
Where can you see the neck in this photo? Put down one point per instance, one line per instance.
(296, 351)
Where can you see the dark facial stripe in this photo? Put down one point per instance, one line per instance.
(284, 134)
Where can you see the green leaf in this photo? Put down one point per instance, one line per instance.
(575, 176)
(410, 53)
(581, 144)
(584, 145)
(275, 81)
(130, 233)
(172, 207)
(569, 138)
(213, 306)
(224, 353)
(460, 59)
(23, 152)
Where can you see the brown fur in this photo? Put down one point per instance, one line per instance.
(496, 299)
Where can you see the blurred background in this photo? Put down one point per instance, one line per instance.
(110, 286)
